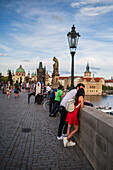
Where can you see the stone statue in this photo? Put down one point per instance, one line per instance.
(55, 74)
(55, 66)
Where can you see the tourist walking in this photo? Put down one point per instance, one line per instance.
(72, 118)
(63, 112)
(8, 87)
(58, 97)
(23, 86)
(52, 97)
(16, 89)
(48, 90)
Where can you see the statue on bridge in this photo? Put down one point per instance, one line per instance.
(55, 74)
(55, 66)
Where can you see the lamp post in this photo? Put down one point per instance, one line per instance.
(73, 37)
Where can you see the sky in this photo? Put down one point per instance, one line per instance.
(36, 31)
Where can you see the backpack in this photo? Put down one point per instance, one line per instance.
(70, 105)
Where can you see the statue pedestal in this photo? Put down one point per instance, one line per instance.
(55, 83)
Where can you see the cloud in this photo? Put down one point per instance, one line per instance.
(5, 48)
(58, 18)
(3, 54)
(94, 68)
(80, 3)
(94, 11)
(26, 61)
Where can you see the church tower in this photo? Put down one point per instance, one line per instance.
(87, 73)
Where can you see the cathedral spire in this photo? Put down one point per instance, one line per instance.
(87, 68)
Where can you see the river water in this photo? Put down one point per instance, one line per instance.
(101, 100)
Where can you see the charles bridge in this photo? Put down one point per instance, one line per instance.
(28, 138)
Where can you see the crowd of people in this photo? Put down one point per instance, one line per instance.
(17, 87)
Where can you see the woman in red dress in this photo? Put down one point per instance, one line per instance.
(72, 118)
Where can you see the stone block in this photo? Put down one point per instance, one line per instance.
(110, 134)
(110, 151)
(89, 119)
(102, 128)
(101, 143)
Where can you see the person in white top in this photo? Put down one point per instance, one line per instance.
(48, 90)
(63, 113)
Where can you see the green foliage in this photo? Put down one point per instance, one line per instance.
(4, 79)
(104, 88)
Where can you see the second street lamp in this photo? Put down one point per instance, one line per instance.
(73, 37)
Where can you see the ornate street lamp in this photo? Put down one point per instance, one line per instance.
(73, 37)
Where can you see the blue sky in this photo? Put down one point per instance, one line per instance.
(33, 31)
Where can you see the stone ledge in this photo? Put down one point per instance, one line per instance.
(96, 137)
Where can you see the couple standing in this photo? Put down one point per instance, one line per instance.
(67, 119)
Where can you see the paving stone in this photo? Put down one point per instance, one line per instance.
(38, 149)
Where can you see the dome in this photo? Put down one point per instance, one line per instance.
(20, 69)
(33, 74)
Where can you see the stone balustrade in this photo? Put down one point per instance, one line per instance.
(95, 137)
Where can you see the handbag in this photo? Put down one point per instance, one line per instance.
(70, 106)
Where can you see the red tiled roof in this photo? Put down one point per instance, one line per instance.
(108, 81)
(62, 78)
(97, 79)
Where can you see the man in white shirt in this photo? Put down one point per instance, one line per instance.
(63, 113)
(48, 90)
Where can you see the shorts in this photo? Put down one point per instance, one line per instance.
(16, 91)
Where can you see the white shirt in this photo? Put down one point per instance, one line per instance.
(38, 88)
(70, 95)
(48, 89)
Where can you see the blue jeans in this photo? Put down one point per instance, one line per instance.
(56, 108)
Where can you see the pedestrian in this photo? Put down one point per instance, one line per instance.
(58, 97)
(4, 88)
(48, 90)
(23, 86)
(17, 89)
(27, 86)
(72, 118)
(52, 97)
(8, 87)
(63, 112)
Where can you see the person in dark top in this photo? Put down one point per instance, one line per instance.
(17, 89)
(52, 97)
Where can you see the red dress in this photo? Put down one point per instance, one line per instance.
(72, 116)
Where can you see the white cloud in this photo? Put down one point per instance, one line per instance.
(90, 2)
(3, 54)
(94, 11)
(5, 48)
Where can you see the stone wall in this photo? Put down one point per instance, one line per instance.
(95, 137)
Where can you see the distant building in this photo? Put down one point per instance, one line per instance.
(34, 77)
(109, 83)
(93, 85)
(41, 73)
(19, 75)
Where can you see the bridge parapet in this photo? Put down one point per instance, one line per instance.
(95, 137)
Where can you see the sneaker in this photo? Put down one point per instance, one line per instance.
(59, 138)
(64, 135)
(65, 141)
(52, 115)
(71, 143)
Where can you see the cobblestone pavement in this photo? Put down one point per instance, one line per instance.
(39, 149)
